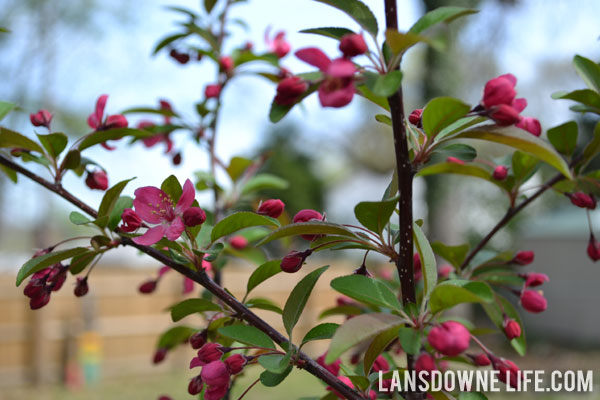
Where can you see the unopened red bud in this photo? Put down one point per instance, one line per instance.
(342, 301)
(215, 374)
(499, 91)
(238, 242)
(216, 392)
(417, 268)
(500, 173)
(481, 360)
(512, 329)
(147, 287)
(176, 158)
(57, 276)
(198, 339)
(41, 118)
(593, 249)
(334, 367)
(195, 385)
(131, 221)
(212, 91)
(582, 200)
(535, 279)
(306, 216)
(531, 125)
(450, 338)
(97, 180)
(381, 364)
(272, 208)
(425, 362)
(115, 122)
(533, 301)
(352, 45)
(40, 300)
(159, 355)
(226, 64)
(355, 359)
(289, 90)
(210, 352)
(81, 287)
(294, 260)
(34, 288)
(524, 257)
(181, 58)
(455, 160)
(194, 216)
(362, 270)
(509, 371)
(415, 117)
(235, 363)
(505, 115)
(445, 270)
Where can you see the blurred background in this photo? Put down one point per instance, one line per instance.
(61, 55)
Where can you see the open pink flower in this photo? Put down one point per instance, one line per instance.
(96, 119)
(278, 44)
(337, 89)
(156, 207)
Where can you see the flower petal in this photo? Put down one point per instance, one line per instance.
(148, 202)
(100, 104)
(152, 236)
(188, 285)
(175, 229)
(336, 98)
(341, 68)
(519, 104)
(315, 57)
(187, 197)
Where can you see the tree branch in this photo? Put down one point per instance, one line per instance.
(203, 279)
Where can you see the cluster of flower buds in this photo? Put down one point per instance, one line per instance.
(43, 283)
(41, 118)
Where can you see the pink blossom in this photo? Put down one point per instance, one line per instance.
(215, 373)
(41, 118)
(96, 119)
(278, 44)
(272, 208)
(97, 180)
(307, 215)
(337, 87)
(289, 90)
(500, 90)
(450, 338)
(156, 207)
(212, 91)
(531, 125)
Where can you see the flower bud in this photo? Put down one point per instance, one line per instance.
(210, 352)
(415, 117)
(216, 392)
(226, 64)
(500, 173)
(524, 257)
(582, 200)
(481, 360)
(40, 300)
(509, 372)
(57, 276)
(294, 260)
(194, 216)
(212, 91)
(512, 329)
(159, 355)
(362, 270)
(504, 115)
(593, 249)
(305, 216)
(533, 301)
(334, 367)
(148, 287)
(417, 267)
(289, 90)
(195, 385)
(450, 338)
(235, 363)
(215, 373)
(272, 208)
(165, 398)
(97, 180)
(81, 287)
(34, 288)
(181, 58)
(352, 45)
(176, 160)
(346, 381)
(115, 122)
(455, 160)
(381, 364)
(41, 118)
(531, 125)
(238, 242)
(279, 45)
(342, 301)
(535, 279)
(131, 221)
(198, 339)
(425, 362)
(499, 91)
(445, 270)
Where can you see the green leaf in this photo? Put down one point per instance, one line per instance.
(453, 292)
(247, 334)
(167, 41)
(359, 329)
(377, 346)
(10, 173)
(54, 143)
(298, 297)
(172, 187)
(341, 310)
(471, 396)
(384, 119)
(264, 181)
(78, 263)
(192, 306)
(455, 255)
(366, 290)
(275, 363)
(150, 110)
(523, 165)
(564, 137)
(263, 273)
(365, 92)
(112, 134)
(400, 42)
(122, 203)
(331, 32)
(39, 263)
(467, 169)
(278, 111)
(175, 336)
(587, 97)
(383, 85)
(5, 108)
(593, 147)
(110, 200)
(263, 304)
(358, 11)
(442, 112)
(240, 220)
(458, 126)
(518, 139)
(209, 5)
(459, 150)
(320, 332)
(78, 218)
(11, 139)
(439, 15)
(237, 166)
(375, 215)
(72, 160)
(304, 228)
(589, 71)
(410, 340)
(496, 314)
(269, 379)
(428, 263)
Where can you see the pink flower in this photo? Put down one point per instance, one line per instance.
(346, 381)
(278, 44)
(289, 90)
(582, 200)
(226, 64)
(212, 91)
(96, 122)
(97, 180)
(208, 353)
(337, 88)
(504, 115)
(425, 362)
(500, 90)
(450, 338)
(524, 257)
(272, 208)
(215, 373)
(352, 45)
(307, 215)
(500, 173)
(415, 117)
(334, 367)
(156, 207)
(512, 329)
(131, 221)
(238, 242)
(216, 392)
(531, 125)
(41, 118)
(533, 301)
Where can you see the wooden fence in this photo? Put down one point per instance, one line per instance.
(116, 328)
